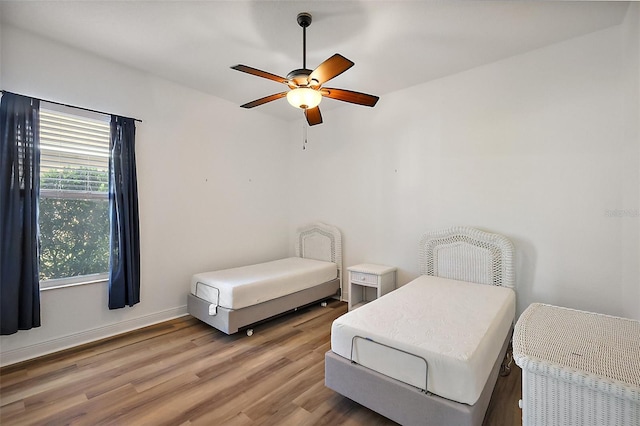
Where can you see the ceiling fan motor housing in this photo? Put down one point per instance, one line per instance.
(300, 78)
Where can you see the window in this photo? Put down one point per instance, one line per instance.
(74, 199)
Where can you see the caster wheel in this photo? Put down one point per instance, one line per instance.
(250, 332)
(323, 304)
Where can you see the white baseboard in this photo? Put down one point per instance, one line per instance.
(66, 342)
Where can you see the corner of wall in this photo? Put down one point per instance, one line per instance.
(631, 32)
(634, 9)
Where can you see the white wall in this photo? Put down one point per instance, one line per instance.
(535, 147)
(1, 55)
(631, 34)
(211, 188)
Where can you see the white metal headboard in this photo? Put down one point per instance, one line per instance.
(320, 241)
(468, 254)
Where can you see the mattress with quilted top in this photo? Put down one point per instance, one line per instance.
(448, 333)
(244, 286)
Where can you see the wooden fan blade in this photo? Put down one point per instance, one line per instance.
(264, 100)
(260, 73)
(332, 67)
(313, 116)
(350, 96)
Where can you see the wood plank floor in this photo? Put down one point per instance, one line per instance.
(183, 372)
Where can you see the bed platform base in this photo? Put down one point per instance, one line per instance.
(403, 403)
(229, 321)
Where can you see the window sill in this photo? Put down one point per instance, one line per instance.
(73, 282)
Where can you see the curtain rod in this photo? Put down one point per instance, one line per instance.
(67, 105)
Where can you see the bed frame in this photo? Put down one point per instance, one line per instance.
(460, 253)
(317, 241)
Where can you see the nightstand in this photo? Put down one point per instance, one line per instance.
(368, 282)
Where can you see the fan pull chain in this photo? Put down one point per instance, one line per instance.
(304, 136)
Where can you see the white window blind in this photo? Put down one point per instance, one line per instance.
(74, 155)
(74, 198)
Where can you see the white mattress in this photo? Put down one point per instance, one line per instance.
(457, 327)
(237, 288)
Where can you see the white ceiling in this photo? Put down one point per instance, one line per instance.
(395, 44)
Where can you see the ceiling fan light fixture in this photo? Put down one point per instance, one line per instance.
(306, 86)
(304, 97)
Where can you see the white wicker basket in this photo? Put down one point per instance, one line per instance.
(578, 368)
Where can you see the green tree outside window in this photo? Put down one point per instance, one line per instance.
(74, 230)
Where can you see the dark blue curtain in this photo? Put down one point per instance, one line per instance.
(19, 190)
(124, 264)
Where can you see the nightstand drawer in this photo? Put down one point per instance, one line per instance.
(361, 277)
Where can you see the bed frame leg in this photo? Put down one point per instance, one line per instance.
(250, 332)
(324, 304)
(505, 367)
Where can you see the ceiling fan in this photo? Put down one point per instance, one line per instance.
(305, 86)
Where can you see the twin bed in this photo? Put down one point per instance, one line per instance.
(428, 353)
(234, 299)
